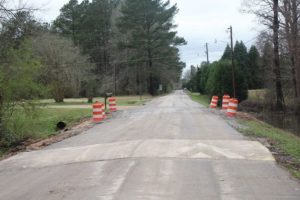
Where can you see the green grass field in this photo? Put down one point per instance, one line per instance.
(121, 101)
(42, 123)
(39, 125)
(202, 99)
(48, 118)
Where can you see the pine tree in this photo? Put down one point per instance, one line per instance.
(227, 53)
(241, 58)
(89, 24)
(255, 78)
(67, 22)
(149, 27)
(240, 54)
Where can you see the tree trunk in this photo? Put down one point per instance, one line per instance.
(291, 32)
(59, 99)
(277, 72)
(295, 32)
(138, 82)
(150, 66)
(59, 95)
(1, 115)
(90, 99)
(293, 72)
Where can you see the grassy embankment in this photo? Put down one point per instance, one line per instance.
(202, 99)
(41, 123)
(285, 143)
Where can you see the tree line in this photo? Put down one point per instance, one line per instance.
(278, 64)
(91, 48)
(216, 78)
(279, 43)
(132, 43)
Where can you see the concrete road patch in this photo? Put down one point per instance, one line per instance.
(184, 149)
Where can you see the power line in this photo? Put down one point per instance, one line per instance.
(254, 38)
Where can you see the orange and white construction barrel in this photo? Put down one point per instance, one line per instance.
(214, 102)
(112, 104)
(225, 102)
(98, 112)
(232, 107)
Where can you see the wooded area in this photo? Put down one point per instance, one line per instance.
(130, 47)
(273, 65)
(216, 78)
(93, 47)
(128, 41)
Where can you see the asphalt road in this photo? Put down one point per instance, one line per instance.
(170, 149)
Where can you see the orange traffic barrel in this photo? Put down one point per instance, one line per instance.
(232, 107)
(214, 102)
(98, 112)
(112, 104)
(225, 102)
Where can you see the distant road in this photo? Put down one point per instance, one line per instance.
(170, 149)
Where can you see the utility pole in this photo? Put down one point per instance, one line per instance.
(207, 55)
(232, 61)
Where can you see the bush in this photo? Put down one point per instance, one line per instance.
(19, 124)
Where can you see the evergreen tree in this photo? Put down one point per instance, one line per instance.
(255, 78)
(204, 77)
(149, 27)
(240, 54)
(241, 58)
(67, 22)
(227, 53)
(89, 25)
(220, 80)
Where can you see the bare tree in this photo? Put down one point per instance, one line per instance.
(7, 11)
(290, 13)
(64, 65)
(268, 13)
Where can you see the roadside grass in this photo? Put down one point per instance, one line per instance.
(286, 143)
(202, 99)
(2, 152)
(133, 100)
(39, 124)
(28, 123)
(49, 117)
(121, 101)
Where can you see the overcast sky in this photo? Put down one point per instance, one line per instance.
(199, 21)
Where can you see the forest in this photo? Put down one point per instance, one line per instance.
(216, 78)
(127, 47)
